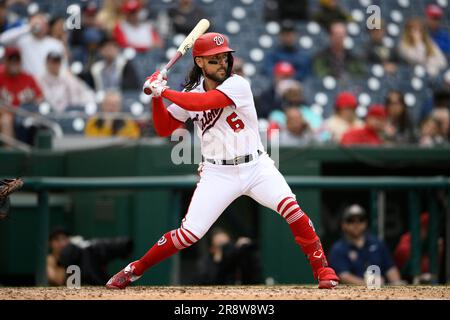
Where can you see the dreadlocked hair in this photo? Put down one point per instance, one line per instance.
(193, 78)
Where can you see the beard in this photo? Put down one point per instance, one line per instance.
(216, 76)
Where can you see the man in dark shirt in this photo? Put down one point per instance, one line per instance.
(336, 60)
(357, 250)
(377, 52)
(434, 15)
(270, 99)
(288, 50)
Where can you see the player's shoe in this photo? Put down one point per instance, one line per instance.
(123, 278)
(327, 278)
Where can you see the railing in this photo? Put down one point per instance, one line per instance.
(376, 185)
(14, 143)
(36, 118)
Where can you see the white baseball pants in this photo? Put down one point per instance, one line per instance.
(220, 185)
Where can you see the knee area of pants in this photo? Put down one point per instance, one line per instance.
(198, 233)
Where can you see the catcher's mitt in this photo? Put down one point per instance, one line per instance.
(7, 186)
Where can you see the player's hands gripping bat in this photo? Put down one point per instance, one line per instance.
(198, 30)
(156, 84)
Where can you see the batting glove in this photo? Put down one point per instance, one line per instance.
(154, 77)
(156, 87)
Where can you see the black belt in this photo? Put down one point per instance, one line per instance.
(235, 161)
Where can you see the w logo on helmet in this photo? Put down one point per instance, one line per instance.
(219, 40)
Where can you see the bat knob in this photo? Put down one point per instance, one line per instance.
(147, 91)
(146, 88)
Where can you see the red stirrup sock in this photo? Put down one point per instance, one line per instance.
(169, 244)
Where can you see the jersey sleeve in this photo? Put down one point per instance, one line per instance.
(238, 90)
(178, 113)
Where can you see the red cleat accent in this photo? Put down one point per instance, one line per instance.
(123, 278)
(327, 278)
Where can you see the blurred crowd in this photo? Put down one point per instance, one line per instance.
(59, 70)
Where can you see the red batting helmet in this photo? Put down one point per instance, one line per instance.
(209, 44)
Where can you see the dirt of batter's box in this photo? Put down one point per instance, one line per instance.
(228, 293)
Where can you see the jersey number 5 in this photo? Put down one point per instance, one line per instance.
(235, 123)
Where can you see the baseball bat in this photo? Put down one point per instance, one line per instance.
(188, 42)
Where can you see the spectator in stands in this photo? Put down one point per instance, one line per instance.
(109, 15)
(270, 99)
(443, 116)
(184, 15)
(291, 92)
(85, 42)
(61, 88)
(430, 132)
(89, 10)
(344, 117)
(34, 43)
(440, 36)
(57, 30)
(336, 60)
(5, 22)
(88, 54)
(417, 48)
(399, 128)
(228, 261)
(113, 71)
(330, 12)
(16, 86)
(56, 274)
(288, 50)
(279, 10)
(377, 52)
(109, 124)
(297, 131)
(440, 97)
(402, 253)
(371, 133)
(357, 250)
(134, 33)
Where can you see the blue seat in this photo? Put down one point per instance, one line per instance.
(128, 98)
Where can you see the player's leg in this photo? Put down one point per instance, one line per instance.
(269, 188)
(216, 190)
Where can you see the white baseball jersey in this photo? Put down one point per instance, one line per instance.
(229, 132)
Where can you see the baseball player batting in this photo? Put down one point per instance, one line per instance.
(234, 162)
